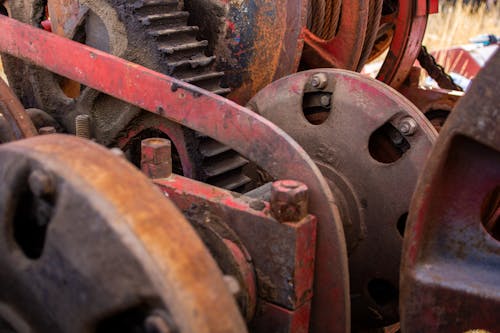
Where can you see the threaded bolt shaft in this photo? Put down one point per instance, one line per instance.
(82, 126)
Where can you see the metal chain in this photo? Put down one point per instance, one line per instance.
(436, 71)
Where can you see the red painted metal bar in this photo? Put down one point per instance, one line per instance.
(251, 135)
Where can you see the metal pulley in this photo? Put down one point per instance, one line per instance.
(371, 144)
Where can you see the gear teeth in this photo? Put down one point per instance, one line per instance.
(174, 18)
(204, 77)
(167, 23)
(193, 46)
(234, 182)
(218, 168)
(222, 91)
(195, 62)
(211, 148)
(171, 32)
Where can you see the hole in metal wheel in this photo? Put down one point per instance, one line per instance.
(33, 211)
(387, 144)
(401, 225)
(317, 106)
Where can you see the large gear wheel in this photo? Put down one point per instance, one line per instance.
(154, 33)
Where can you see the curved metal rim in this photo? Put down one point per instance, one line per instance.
(187, 278)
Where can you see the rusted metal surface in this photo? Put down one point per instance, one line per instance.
(344, 50)
(289, 200)
(255, 41)
(228, 123)
(15, 123)
(156, 157)
(283, 256)
(87, 253)
(451, 257)
(370, 143)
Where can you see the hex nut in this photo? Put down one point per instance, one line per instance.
(156, 157)
(319, 81)
(407, 126)
(289, 200)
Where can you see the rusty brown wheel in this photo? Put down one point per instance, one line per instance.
(15, 123)
(344, 48)
(88, 244)
(370, 143)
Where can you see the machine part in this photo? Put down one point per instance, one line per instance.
(153, 33)
(81, 253)
(345, 48)
(235, 126)
(82, 126)
(283, 279)
(370, 144)
(156, 157)
(451, 256)
(408, 21)
(288, 200)
(255, 41)
(436, 104)
(15, 123)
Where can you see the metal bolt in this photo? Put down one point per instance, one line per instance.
(325, 100)
(156, 157)
(46, 130)
(319, 80)
(155, 323)
(289, 200)
(407, 126)
(82, 126)
(41, 183)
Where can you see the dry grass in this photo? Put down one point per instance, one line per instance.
(2, 74)
(455, 25)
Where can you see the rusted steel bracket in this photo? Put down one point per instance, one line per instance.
(235, 126)
(282, 253)
(451, 257)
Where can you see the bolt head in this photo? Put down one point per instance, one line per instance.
(319, 80)
(407, 126)
(155, 150)
(289, 200)
(156, 157)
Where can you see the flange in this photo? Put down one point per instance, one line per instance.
(370, 143)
